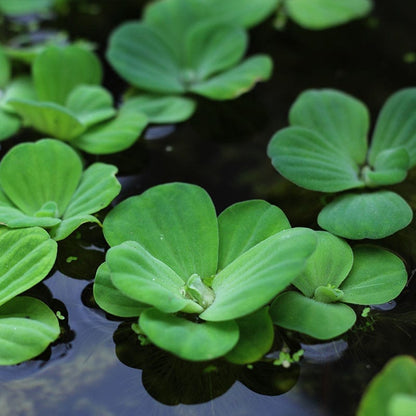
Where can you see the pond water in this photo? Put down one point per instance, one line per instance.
(97, 367)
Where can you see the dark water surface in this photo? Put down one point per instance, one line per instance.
(98, 368)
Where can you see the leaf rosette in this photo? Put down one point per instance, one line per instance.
(190, 46)
(199, 283)
(27, 325)
(325, 149)
(43, 184)
(336, 275)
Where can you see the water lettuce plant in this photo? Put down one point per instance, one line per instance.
(43, 184)
(27, 325)
(326, 149)
(179, 47)
(26, 7)
(392, 392)
(336, 275)
(322, 14)
(199, 284)
(71, 105)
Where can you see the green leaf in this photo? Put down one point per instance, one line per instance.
(390, 167)
(397, 378)
(27, 256)
(338, 118)
(377, 276)
(329, 264)
(160, 108)
(144, 278)
(236, 81)
(112, 136)
(139, 54)
(309, 160)
(402, 405)
(20, 88)
(256, 338)
(189, 340)
(5, 69)
(396, 126)
(210, 48)
(322, 14)
(33, 174)
(9, 124)
(97, 188)
(27, 327)
(367, 215)
(174, 222)
(109, 298)
(49, 118)
(292, 310)
(25, 7)
(58, 70)
(91, 104)
(259, 274)
(245, 224)
(69, 225)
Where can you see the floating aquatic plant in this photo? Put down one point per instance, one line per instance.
(199, 283)
(43, 184)
(27, 325)
(336, 275)
(392, 392)
(180, 47)
(326, 149)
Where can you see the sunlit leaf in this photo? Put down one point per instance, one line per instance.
(176, 223)
(358, 216)
(112, 300)
(27, 327)
(237, 80)
(20, 88)
(245, 224)
(27, 255)
(189, 340)
(9, 124)
(259, 274)
(292, 310)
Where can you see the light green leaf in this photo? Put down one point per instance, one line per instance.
(390, 167)
(139, 54)
(402, 405)
(292, 310)
(311, 161)
(339, 118)
(329, 264)
(256, 338)
(366, 215)
(27, 255)
(396, 125)
(58, 70)
(210, 48)
(97, 188)
(5, 68)
(69, 225)
(20, 88)
(189, 340)
(9, 124)
(27, 327)
(245, 224)
(160, 108)
(237, 80)
(144, 278)
(91, 104)
(49, 118)
(114, 135)
(259, 274)
(377, 276)
(25, 7)
(109, 298)
(397, 378)
(322, 14)
(34, 174)
(174, 222)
